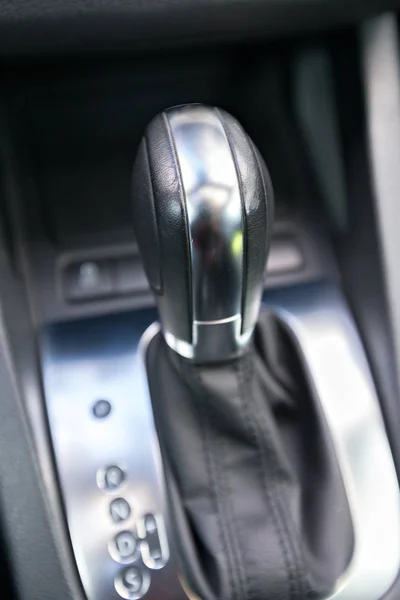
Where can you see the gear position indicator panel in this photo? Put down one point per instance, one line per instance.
(109, 464)
(108, 458)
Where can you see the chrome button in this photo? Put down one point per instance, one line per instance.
(153, 544)
(101, 409)
(124, 546)
(120, 510)
(132, 583)
(110, 478)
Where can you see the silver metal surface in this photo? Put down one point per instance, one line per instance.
(284, 256)
(381, 77)
(101, 358)
(82, 363)
(214, 214)
(216, 340)
(318, 321)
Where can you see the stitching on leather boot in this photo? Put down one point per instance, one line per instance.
(195, 384)
(272, 499)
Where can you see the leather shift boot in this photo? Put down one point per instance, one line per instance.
(257, 501)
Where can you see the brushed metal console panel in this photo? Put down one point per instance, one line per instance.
(103, 358)
(84, 362)
(320, 324)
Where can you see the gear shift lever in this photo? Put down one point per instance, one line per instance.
(257, 512)
(203, 207)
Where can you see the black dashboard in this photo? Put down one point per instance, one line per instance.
(46, 27)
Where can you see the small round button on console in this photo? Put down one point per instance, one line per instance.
(124, 547)
(110, 479)
(132, 583)
(101, 409)
(120, 510)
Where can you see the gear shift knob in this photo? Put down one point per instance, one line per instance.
(203, 210)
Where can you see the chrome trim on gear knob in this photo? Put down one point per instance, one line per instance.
(214, 211)
(213, 207)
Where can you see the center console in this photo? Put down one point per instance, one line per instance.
(162, 447)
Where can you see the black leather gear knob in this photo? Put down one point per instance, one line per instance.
(203, 210)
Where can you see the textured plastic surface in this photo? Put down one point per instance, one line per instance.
(49, 26)
(31, 516)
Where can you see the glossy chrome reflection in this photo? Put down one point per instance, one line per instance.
(82, 362)
(214, 211)
(318, 320)
(214, 214)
